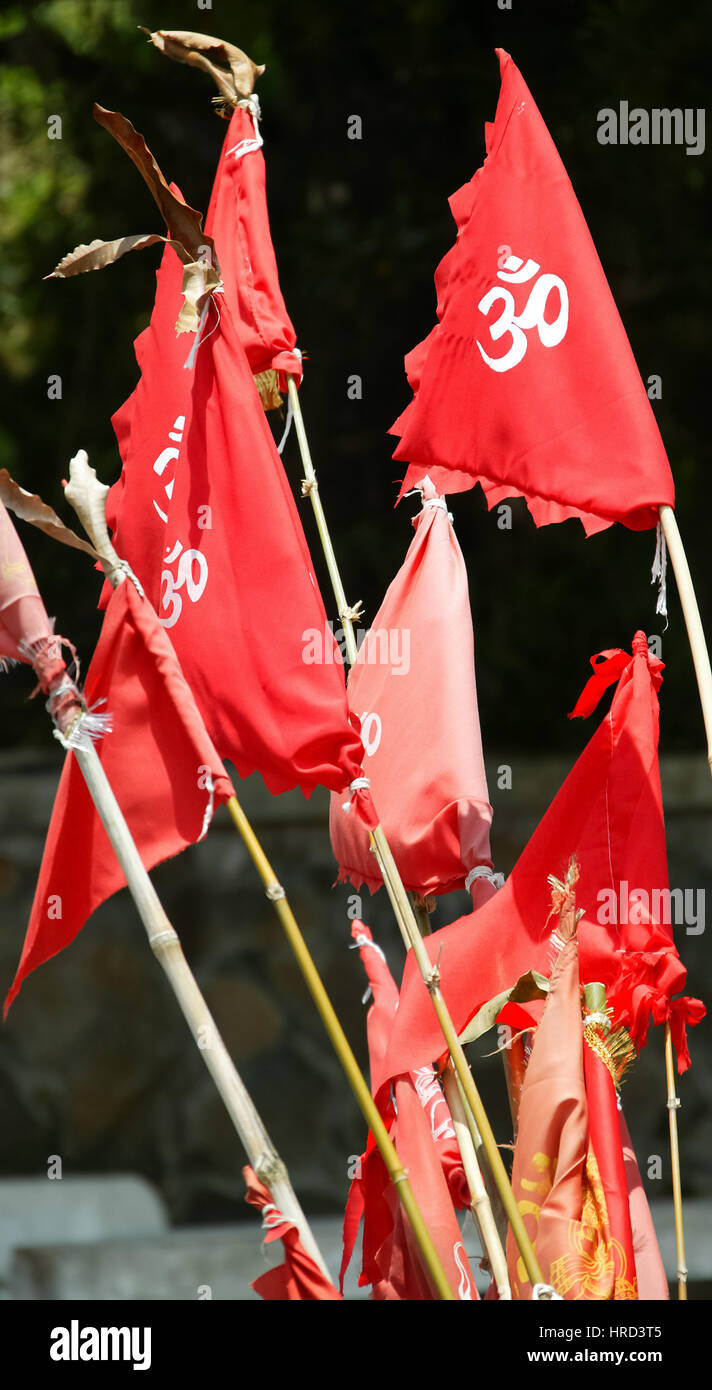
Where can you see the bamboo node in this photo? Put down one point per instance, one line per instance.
(161, 939)
(399, 1177)
(274, 891)
(309, 485)
(270, 1169)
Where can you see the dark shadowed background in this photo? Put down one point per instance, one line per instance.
(95, 1058)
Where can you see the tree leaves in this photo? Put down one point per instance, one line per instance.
(235, 82)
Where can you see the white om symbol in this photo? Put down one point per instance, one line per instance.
(371, 730)
(165, 458)
(194, 584)
(517, 272)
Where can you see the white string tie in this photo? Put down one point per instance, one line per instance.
(598, 1020)
(484, 871)
(89, 728)
(545, 1292)
(363, 940)
(248, 146)
(209, 809)
(659, 572)
(358, 784)
(199, 339)
(440, 502)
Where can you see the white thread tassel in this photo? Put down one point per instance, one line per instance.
(659, 572)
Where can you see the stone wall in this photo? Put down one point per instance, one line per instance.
(97, 1065)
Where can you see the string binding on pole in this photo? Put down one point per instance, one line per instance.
(358, 784)
(248, 146)
(484, 871)
(659, 572)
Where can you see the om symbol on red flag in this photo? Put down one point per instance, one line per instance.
(515, 271)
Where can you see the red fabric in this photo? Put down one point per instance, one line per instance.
(559, 413)
(233, 585)
(605, 1140)
(555, 1175)
(430, 785)
(237, 221)
(23, 618)
(159, 761)
(609, 814)
(649, 1268)
(299, 1279)
(422, 1132)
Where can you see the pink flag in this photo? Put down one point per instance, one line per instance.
(413, 690)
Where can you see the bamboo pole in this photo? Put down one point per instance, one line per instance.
(276, 894)
(673, 1105)
(88, 498)
(468, 1141)
(480, 1205)
(693, 622)
(167, 949)
(401, 903)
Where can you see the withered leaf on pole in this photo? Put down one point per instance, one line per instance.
(100, 253)
(234, 82)
(30, 507)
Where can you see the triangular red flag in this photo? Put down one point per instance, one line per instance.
(159, 760)
(413, 690)
(299, 1279)
(238, 222)
(205, 517)
(528, 384)
(608, 813)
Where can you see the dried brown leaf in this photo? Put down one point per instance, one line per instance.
(30, 507)
(184, 223)
(100, 253)
(235, 81)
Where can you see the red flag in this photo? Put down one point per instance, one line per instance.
(556, 1177)
(527, 384)
(299, 1278)
(206, 519)
(238, 222)
(160, 762)
(413, 690)
(422, 1131)
(608, 813)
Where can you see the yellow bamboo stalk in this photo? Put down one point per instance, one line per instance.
(399, 898)
(693, 622)
(673, 1104)
(397, 1174)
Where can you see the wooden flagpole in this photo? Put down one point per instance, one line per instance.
(673, 1104)
(403, 908)
(691, 614)
(480, 1205)
(88, 497)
